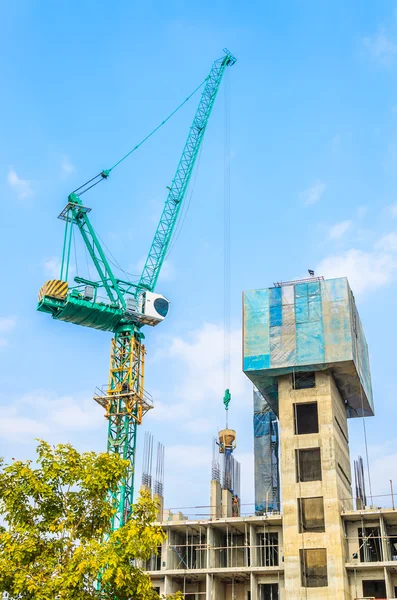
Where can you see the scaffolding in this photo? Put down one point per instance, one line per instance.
(266, 450)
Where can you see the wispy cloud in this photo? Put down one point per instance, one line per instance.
(67, 167)
(381, 47)
(22, 187)
(167, 272)
(52, 267)
(393, 210)
(44, 413)
(7, 324)
(313, 193)
(362, 211)
(339, 229)
(366, 270)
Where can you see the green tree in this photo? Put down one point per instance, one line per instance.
(57, 537)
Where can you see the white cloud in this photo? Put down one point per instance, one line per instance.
(7, 324)
(202, 353)
(67, 167)
(22, 187)
(393, 210)
(200, 356)
(387, 243)
(362, 211)
(364, 270)
(45, 413)
(381, 47)
(313, 193)
(339, 229)
(52, 267)
(167, 272)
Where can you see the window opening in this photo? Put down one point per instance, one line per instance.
(374, 588)
(314, 567)
(303, 381)
(311, 514)
(306, 418)
(370, 544)
(268, 591)
(268, 549)
(308, 464)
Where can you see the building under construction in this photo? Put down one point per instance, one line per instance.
(310, 536)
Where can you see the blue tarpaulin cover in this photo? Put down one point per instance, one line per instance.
(307, 326)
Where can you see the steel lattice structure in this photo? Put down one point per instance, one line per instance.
(128, 306)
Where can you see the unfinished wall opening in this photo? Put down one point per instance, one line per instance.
(374, 588)
(268, 591)
(268, 553)
(370, 544)
(154, 562)
(303, 381)
(311, 514)
(306, 418)
(308, 464)
(231, 548)
(187, 549)
(314, 567)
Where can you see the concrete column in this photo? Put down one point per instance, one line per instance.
(226, 504)
(210, 548)
(209, 587)
(215, 499)
(160, 503)
(389, 587)
(385, 541)
(253, 549)
(253, 587)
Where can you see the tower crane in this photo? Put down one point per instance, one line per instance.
(124, 308)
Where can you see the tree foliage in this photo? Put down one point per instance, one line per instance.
(57, 538)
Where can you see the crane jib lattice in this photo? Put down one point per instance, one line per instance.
(180, 182)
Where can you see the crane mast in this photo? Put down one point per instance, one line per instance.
(129, 306)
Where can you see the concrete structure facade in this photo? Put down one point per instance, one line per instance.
(305, 351)
(243, 558)
(316, 485)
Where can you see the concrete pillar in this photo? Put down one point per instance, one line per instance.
(210, 548)
(209, 587)
(253, 587)
(215, 499)
(253, 549)
(165, 550)
(385, 541)
(389, 586)
(227, 498)
(160, 502)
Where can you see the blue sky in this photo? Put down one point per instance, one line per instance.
(313, 185)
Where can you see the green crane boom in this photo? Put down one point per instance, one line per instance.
(179, 185)
(127, 307)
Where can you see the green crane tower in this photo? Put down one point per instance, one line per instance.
(127, 307)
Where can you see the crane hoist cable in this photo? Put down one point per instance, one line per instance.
(226, 252)
(106, 172)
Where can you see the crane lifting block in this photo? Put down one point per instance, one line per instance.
(54, 288)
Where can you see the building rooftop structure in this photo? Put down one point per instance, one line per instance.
(302, 326)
